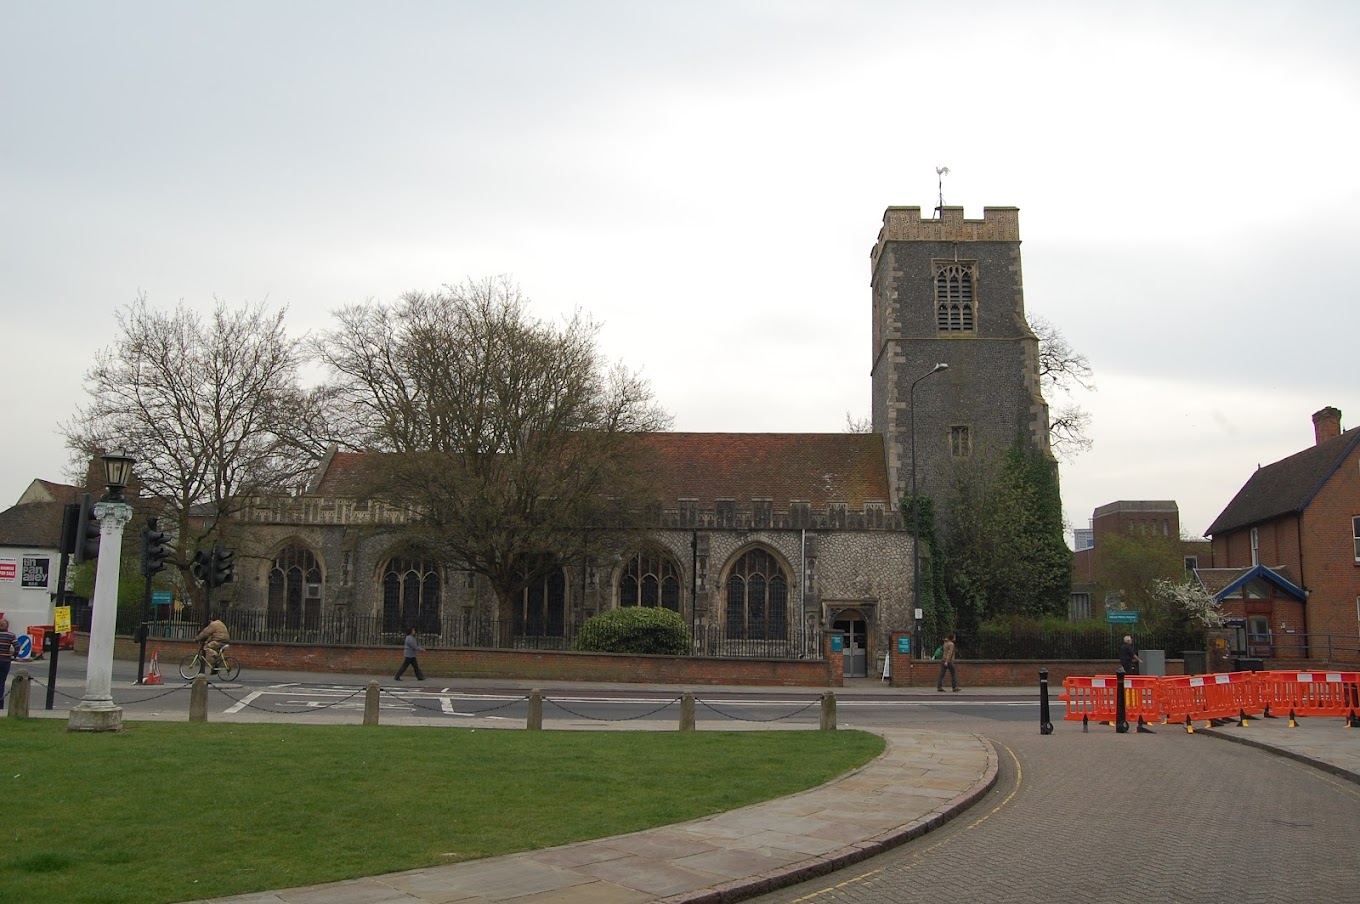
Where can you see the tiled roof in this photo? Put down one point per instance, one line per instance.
(36, 524)
(1287, 486)
(49, 491)
(817, 468)
(814, 467)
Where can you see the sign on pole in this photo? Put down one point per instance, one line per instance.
(61, 619)
(1127, 618)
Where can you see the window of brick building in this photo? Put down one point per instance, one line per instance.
(294, 591)
(954, 282)
(960, 442)
(411, 592)
(1355, 530)
(757, 598)
(650, 578)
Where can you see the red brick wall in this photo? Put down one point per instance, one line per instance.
(517, 665)
(1330, 572)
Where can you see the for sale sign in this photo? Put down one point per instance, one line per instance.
(9, 569)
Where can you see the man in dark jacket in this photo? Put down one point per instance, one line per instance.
(1128, 656)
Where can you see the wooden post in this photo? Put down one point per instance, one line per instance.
(686, 711)
(535, 710)
(371, 703)
(828, 711)
(198, 699)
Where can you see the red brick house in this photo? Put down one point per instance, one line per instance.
(1287, 550)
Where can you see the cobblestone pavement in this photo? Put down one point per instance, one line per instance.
(1103, 817)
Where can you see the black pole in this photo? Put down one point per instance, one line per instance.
(1121, 724)
(693, 580)
(1045, 726)
(60, 601)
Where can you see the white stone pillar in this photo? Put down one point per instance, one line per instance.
(96, 710)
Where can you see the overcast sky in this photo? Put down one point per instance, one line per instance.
(707, 179)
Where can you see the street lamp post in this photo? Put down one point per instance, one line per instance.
(96, 710)
(916, 507)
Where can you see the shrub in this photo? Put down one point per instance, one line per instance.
(636, 629)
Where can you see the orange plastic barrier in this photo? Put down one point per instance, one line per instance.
(1184, 698)
(1096, 698)
(1310, 693)
(1228, 695)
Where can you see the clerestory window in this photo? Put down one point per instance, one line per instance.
(954, 303)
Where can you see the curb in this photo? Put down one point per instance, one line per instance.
(741, 889)
(1322, 765)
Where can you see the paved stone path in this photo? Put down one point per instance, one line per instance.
(1137, 818)
(922, 779)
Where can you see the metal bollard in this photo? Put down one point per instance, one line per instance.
(1045, 725)
(686, 711)
(198, 699)
(828, 711)
(19, 690)
(535, 710)
(1121, 724)
(371, 703)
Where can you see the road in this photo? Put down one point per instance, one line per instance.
(1103, 817)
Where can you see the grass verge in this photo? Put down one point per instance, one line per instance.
(164, 812)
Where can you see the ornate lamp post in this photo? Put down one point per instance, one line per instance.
(96, 710)
(916, 507)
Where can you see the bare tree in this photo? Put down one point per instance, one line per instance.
(507, 440)
(1063, 371)
(208, 405)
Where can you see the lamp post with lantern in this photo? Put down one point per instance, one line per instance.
(96, 710)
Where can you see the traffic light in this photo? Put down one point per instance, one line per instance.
(85, 539)
(202, 566)
(155, 549)
(222, 566)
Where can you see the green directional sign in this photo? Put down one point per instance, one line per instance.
(162, 597)
(1127, 618)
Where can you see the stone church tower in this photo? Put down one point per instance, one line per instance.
(949, 291)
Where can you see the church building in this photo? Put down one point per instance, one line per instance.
(763, 540)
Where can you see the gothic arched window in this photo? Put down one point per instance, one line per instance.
(295, 588)
(954, 298)
(411, 592)
(757, 598)
(542, 607)
(650, 578)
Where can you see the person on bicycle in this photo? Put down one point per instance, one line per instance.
(213, 638)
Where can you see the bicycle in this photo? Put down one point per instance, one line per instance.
(229, 669)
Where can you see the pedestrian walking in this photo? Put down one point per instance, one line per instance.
(411, 648)
(948, 651)
(1128, 656)
(7, 641)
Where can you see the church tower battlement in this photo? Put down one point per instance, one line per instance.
(949, 290)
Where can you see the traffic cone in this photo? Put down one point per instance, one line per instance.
(153, 675)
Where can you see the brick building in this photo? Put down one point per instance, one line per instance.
(1156, 518)
(1287, 549)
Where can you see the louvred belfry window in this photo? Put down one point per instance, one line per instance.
(954, 298)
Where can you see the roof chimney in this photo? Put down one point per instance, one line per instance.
(1326, 424)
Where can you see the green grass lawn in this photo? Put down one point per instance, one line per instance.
(138, 815)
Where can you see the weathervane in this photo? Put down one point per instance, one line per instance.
(941, 172)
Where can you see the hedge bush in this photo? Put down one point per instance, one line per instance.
(636, 629)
